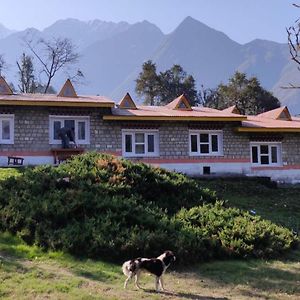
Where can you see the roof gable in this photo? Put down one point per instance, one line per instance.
(127, 102)
(67, 90)
(232, 109)
(180, 103)
(4, 87)
(281, 113)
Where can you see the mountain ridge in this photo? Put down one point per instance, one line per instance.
(112, 55)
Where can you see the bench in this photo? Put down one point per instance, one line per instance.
(15, 160)
(61, 154)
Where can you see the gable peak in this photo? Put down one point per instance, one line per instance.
(4, 87)
(127, 102)
(68, 90)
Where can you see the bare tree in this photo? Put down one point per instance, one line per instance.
(293, 34)
(26, 74)
(54, 55)
(2, 63)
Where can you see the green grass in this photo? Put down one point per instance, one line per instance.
(280, 205)
(27, 272)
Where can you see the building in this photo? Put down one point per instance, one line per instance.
(192, 140)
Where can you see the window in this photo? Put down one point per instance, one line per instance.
(6, 129)
(266, 154)
(80, 124)
(140, 143)
(206, 143)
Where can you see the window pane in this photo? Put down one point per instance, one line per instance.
(56, 128)
(81, 130)
(70, 124)
(264, 160)
(254, 154)
(140, 149)
(274, 154)
(194, 144)
(214, 143)
(204, 148)
(151, 143)
(128, 143)
(203, 138)
(264, 149)
(5, 130)
(139, 138)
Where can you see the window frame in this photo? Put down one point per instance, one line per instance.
(218, 133)
(11, 119)
(146, 133)
(77, 119)
(278, 146)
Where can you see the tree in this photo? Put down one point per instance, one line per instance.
(55, 54)
(174, 82)
(27, 82)
(2, 64)
(293, 34)
(160, 89)
(147, 83)
(247, 94)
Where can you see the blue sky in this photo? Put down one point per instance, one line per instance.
(241, 20)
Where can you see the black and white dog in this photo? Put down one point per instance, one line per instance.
(156, 266)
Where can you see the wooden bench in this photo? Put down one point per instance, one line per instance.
(15, 160)
(61, 154)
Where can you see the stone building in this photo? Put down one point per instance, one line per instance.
(192, 140)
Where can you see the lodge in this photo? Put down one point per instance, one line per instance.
(192, 140)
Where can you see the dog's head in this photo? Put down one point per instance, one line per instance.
(168, 257)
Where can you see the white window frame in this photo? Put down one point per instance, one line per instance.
(11, 119)
(210, 133)
(77, 119)
(278, 145)
(146, 132)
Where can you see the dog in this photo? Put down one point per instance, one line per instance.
(155, 266)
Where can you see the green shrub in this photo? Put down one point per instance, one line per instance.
(98, 206)
(230, 232)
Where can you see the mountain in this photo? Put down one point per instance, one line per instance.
(112, 54)
(84, 34)
(4, 32)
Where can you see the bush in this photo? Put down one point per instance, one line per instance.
(230, 232)
(98, 206)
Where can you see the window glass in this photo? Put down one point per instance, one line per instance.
(204, 148)
(264, 160)
(214, 143)
(194, 143)
(204, 138)
(150, 143)
(264, 149)
(139, 138)
(5, 129)
(128, 143)
(70, 124)
(81, 130)
(254, 154)
(140, 148)
(274, 158)
(56, 126)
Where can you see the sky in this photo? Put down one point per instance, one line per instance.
(241, 20)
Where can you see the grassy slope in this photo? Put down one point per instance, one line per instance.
(28, 273)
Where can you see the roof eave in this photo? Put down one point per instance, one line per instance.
(56, 103)
(265, 129)
(170, 118)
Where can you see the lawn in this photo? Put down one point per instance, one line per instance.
(26, 272)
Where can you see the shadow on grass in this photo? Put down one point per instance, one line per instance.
(95, 275)
(265, 276)
(183, 295)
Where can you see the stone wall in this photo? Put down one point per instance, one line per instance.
(291, 149)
